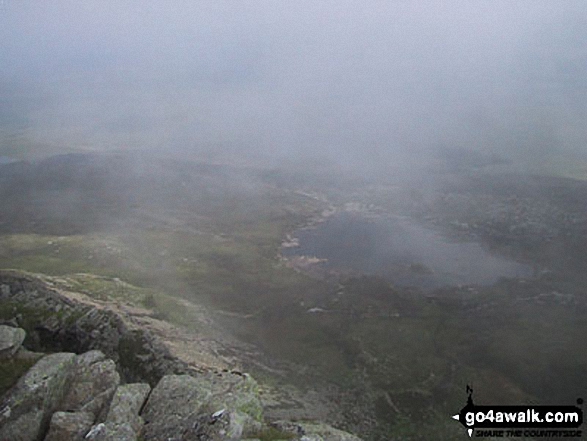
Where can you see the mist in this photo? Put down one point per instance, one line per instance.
(369, 206)
(366, 85)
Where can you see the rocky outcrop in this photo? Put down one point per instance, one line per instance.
(123, 421)
(211, 406)
(95, 395)
(68, 397)
(94, 383)
(10, 340)
(26, 410)
(69, 426)
(64, 397)
(55, 323)
(127, 404)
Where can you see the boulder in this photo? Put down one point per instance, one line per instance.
(123, 421)
(90, 357)
(69, 426)
(208, 406)
(10, 340)
(126, 405)
(105, 432)
(220, 426)
(93, 385)
(62, 395)
(26, 410)
(173, 404)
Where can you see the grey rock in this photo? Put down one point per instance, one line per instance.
(208, 406)
(90, 357)
(10, 340)
(98, 406)
(80, 328)
(26, 410)
(69, 426)
(93, 384)
(126, 405)
(96, 432)
(234, 392)
(106, 432)
(173, 404)
(229, 426)
(123, 422)
(306, 431)
(25, 427)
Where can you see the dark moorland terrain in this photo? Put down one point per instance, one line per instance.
(388, 359)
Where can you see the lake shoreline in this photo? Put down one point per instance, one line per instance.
(398, 248)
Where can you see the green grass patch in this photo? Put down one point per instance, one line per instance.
(105, 288)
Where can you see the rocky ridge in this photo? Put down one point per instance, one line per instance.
(55, 322)
(87, 374)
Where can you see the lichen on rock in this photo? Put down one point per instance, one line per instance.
(25, 412)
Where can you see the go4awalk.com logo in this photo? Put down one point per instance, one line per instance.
(521, 421)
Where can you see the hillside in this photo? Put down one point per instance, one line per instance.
(190, 253)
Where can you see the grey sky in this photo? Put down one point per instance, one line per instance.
(368, 79)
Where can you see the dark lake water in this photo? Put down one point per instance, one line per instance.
(402, 251)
